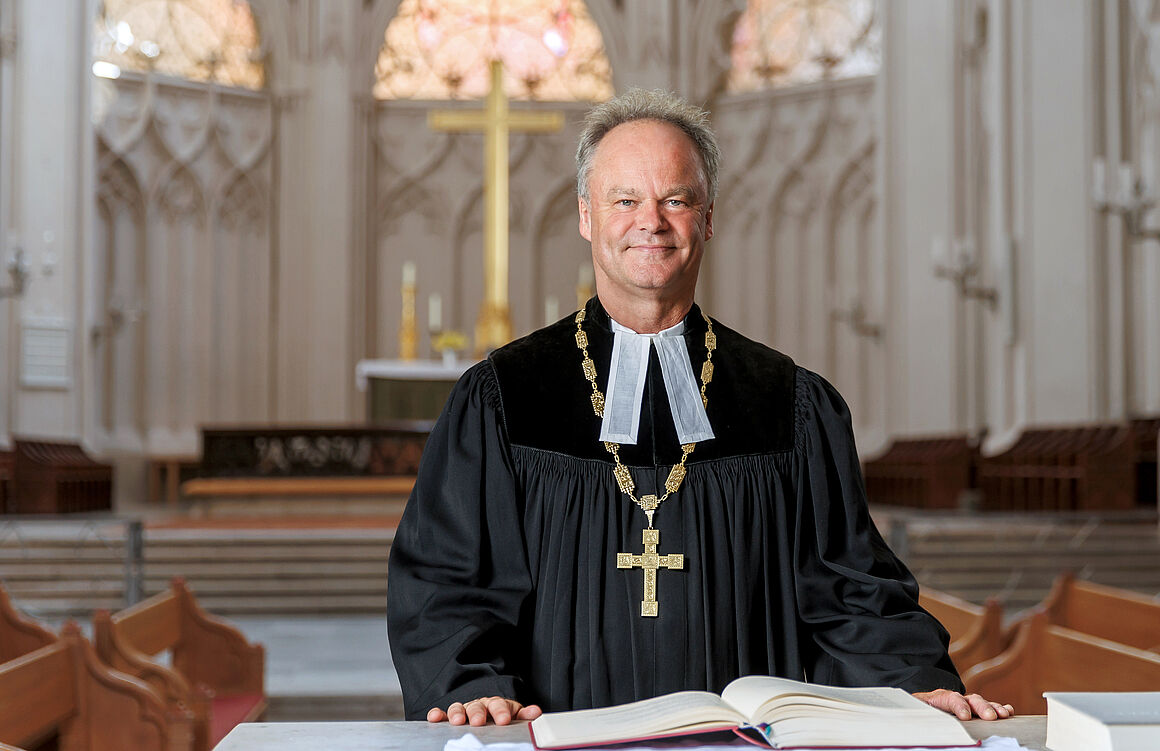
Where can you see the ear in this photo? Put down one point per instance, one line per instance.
(709, 223)
(585, 219)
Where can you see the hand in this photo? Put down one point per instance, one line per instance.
(477, 711)
(965, 707)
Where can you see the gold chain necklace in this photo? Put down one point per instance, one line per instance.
(648, 503)
(650, 561)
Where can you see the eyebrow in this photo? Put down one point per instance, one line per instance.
(684, 191)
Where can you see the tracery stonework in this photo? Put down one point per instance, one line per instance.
(440, 49)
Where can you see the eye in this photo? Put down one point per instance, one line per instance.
(676, 203)
(624, 202)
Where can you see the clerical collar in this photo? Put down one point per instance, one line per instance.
(626, 377)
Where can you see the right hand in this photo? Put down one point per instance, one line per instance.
(477, 712)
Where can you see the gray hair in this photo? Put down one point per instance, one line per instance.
(640, 104)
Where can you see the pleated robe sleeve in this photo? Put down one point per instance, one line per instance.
(458, 575)
(857, 600)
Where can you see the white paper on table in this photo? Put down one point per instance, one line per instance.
(469, 742)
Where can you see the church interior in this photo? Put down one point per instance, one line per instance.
(232, 305)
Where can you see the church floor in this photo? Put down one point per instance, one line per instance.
(326, 668)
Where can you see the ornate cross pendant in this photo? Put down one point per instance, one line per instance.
(650, 562)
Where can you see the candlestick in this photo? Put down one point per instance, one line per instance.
(584, 285)
(408, 335)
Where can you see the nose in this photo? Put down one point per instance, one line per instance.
(650, 218)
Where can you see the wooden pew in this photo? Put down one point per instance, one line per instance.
(1086, 468)
(216, 674)
(929, 473)
(1044, 657)
(1110, 613)
(64, 690)
(57, 478)
(976, 632)
(19, 634)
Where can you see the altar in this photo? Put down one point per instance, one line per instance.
(407, 389)
(1030, 731)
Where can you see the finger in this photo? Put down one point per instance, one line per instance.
(435, 714)
(476, 713)
(457, 714)
(529, 712)
(982, 708)
(1004, 710)
(501, 709)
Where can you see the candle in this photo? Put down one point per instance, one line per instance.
(435, 312)
(409, 273)
(551, 309)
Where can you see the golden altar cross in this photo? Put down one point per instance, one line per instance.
(493, 328)
(650, 562)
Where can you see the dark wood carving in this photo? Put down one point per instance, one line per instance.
(1144, 432)
(57, 478)
(1090, 468)
(7, 462)
(355, 451)
(929, 473)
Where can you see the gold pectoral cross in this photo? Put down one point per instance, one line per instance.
(650, 562)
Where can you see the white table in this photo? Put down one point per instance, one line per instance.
(420, 736)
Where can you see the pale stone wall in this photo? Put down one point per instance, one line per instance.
(208, 255)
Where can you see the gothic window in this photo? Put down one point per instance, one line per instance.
(441, 49)
(778, 43)
(201, 40)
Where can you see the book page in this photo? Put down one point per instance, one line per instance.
(751, 695)
(663, 714)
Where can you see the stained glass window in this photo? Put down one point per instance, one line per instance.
(791, 42)
(441, 49)
(202, 40)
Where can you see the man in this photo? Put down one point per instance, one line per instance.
(594, 523)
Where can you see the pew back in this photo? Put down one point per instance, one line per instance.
(976, 632)
(64, 689)
(1045, 657)
(19, 634)
(1107, 612)
(216, 674)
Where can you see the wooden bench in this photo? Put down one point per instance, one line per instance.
(19, 634)
(1087, 468)
(1110, 613)
(929, 473)
(216, 674)
(1044, 657)
(165, 474)
(7, 469)
(57, 478)
(64, 690)
(976, 632)
(204, 487)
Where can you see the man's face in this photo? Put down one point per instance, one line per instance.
(648, 215)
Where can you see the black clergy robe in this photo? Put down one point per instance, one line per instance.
(503, 580)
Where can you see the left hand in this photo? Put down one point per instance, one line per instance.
(965, 707)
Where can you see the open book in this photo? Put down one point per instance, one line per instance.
(788, 714)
